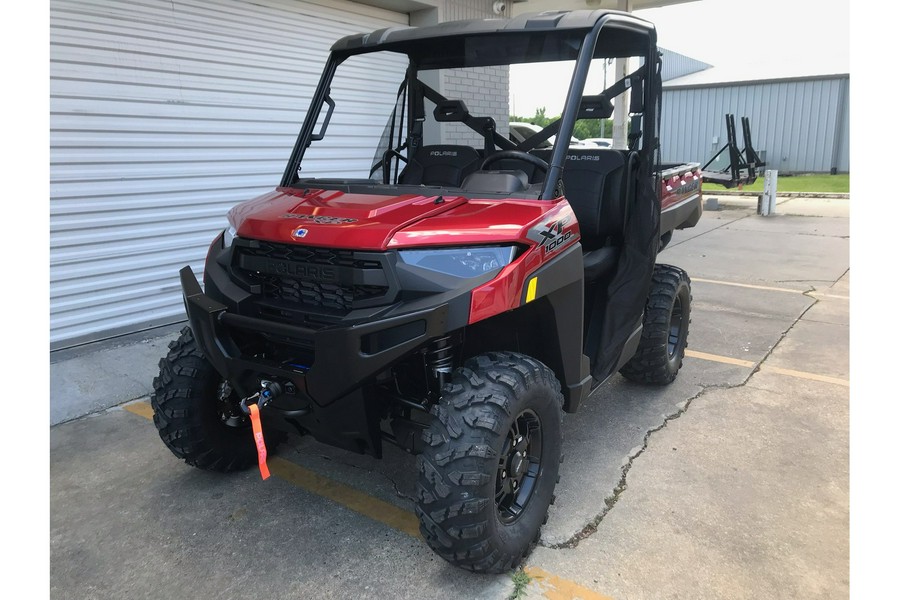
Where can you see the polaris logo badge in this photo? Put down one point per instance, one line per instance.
(593, 157)
(299, 271)
(443, 153)
(299, 233)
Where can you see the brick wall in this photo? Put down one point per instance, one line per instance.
(485, 90)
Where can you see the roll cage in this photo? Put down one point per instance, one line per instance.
(579, 35)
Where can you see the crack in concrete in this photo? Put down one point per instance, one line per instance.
(622, 485)
(825, 235)
(120, 405)
(839, 278)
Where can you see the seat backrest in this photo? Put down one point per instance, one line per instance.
(442, 165)
(594, 186)
(531, 172)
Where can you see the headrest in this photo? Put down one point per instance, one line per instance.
(454, 111)
(595, 107)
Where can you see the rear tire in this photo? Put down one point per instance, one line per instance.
(491, 462)
(667, 318)
(197, 415)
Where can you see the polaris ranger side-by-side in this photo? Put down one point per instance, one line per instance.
(452, 299)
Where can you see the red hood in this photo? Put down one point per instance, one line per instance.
(334, 219)
(375, 222)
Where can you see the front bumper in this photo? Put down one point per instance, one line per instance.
(329, 361)
(328, 398)
(345, 357)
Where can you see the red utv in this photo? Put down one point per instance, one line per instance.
(454, 299)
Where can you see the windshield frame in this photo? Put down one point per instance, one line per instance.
(623, 25)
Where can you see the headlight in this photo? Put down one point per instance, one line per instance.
(229, 235)
(461, 262)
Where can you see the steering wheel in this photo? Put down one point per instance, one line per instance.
(516, 155)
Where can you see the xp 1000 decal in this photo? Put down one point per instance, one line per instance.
(556, 231)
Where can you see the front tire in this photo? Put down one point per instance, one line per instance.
(491, 462)
(667, 317)
(196, 413)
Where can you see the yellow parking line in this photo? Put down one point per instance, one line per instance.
(747, 285)
(721, 359)
(379, 510)
(141, 409)
(384, 512)
(805, 375)
(364, 504)
(816, 293)
(833, 296)
(764, 367)
(557, 588)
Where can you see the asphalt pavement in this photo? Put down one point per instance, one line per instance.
(730, 483)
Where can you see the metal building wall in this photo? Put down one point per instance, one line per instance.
(164, 114)
(460, 10)
(676, 65)
(794, 121)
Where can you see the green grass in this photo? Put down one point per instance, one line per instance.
(520, 580)
(826, 184)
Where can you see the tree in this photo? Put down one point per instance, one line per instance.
(540, 117)
(584, 128)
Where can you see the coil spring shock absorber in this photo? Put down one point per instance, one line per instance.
(439, 359)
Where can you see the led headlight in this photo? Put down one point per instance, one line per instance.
(229, 235)
(461, 262)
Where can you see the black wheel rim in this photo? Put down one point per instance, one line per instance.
(676, 322)
(229, 406)
(519, 466)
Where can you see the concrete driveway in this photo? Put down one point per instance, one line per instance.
(730, 483)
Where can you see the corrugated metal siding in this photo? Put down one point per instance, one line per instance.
(793, 121)
(460, 10)
(676, 65)
(164, 114)
(843, 147)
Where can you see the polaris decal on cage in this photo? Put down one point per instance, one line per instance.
(299, 232)
(319, 219)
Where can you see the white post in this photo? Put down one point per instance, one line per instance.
(620, 108)
(770, 188)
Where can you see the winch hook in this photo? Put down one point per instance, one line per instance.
(269, 390)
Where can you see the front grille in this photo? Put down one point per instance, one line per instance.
(297, 277)
(309, 255)
(325, 295)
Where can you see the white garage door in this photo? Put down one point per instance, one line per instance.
(164, 114)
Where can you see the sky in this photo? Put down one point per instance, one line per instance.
(727, 32)
(812, 35)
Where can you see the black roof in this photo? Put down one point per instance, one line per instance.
(483, 42)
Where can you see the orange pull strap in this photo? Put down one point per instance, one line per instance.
(260, 441)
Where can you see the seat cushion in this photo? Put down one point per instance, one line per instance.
(599, 262)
